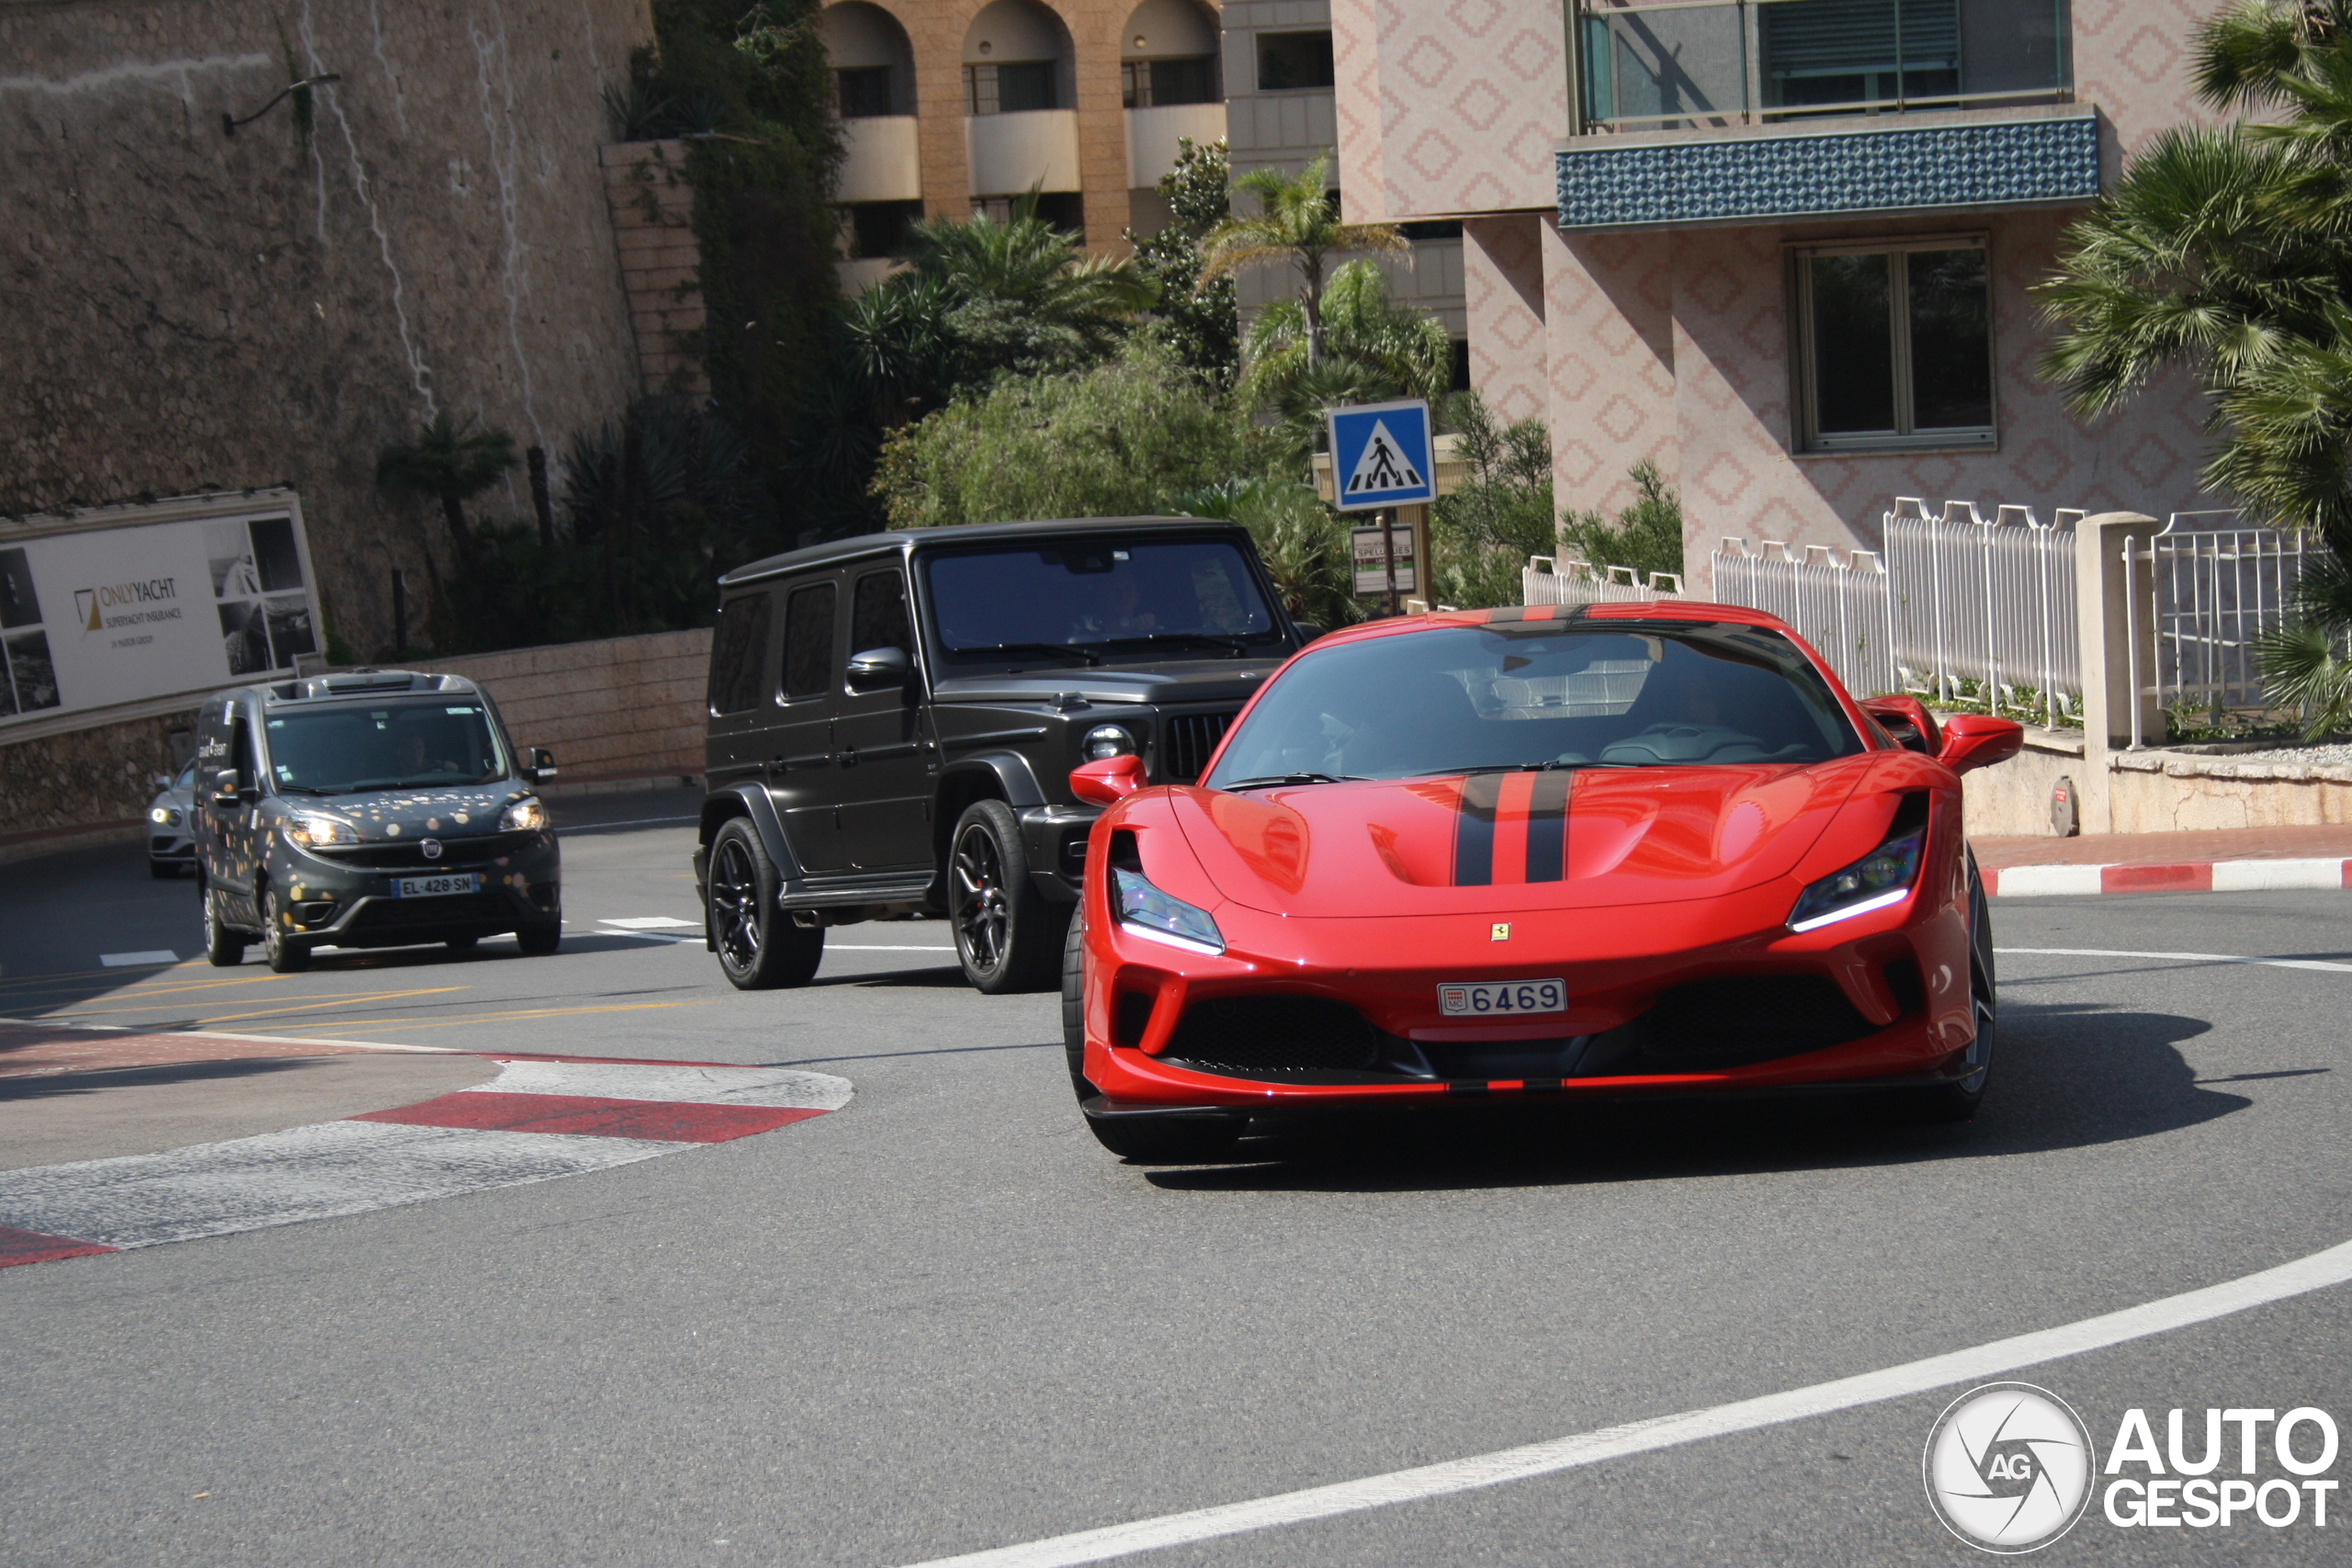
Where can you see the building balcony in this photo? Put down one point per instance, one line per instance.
(1009, 154)
(881, 160)
(1152, 135)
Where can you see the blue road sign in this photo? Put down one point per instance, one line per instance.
(1380, 456)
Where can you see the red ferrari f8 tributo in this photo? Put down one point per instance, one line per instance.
(1625, 848)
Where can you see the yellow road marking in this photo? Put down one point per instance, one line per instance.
(306, 1004)
(192, 986)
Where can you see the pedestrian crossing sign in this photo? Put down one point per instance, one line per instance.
(1380, 456)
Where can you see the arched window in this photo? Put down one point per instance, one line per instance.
(1016, 58)
(1168, 55)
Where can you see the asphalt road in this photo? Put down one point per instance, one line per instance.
(944, 1319)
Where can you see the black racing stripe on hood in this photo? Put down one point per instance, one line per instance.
(1547, 827)
(1473, 830)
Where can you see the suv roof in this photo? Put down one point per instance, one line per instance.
(348, 684)
(906, 539)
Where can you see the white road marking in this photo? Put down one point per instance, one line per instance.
(642, 936)
(2039, 881)
(871, 947)
(631, 822)
(2186, 957)
(138, 960)
(700, 1086)
(644, 922)
(2268, 876)
(2318, 1271)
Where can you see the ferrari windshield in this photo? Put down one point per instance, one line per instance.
(383, 745)
(1538, 695)
(1076, 602)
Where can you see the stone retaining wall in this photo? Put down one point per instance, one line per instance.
(2156, 792)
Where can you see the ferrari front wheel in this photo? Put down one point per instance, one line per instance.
(1074, 1004)
(1957, 1100)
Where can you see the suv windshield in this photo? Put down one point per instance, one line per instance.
(383, 745)
(1534, 695)
(1081, 601)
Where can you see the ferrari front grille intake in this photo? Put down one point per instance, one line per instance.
(1729, 1023)
(1273, 1034)
(1186, 740)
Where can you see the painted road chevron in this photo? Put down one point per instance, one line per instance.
(538, 1120)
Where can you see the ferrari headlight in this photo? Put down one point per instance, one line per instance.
(1151, 914)
(310, 831)
(522, 816)
(1108, 740)
(1879, 878)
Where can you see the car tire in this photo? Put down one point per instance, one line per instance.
(1951, 1103)
(759, 949)
(1074, 1006)
(1006, 933)
(286, 954)
(539, 939)
(164, 870)
(223, 947)
(1152, 1141)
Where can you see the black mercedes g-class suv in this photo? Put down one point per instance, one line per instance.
(894, 719)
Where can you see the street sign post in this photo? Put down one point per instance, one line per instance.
(1384, 461)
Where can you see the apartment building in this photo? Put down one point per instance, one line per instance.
(1784, 249)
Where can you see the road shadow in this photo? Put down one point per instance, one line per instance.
(2065, 1077)
(54, 1085)
(930, 978)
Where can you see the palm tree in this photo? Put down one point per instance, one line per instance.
(1298, 226)
(1373, 349)
(1021, 294)
(448, 462)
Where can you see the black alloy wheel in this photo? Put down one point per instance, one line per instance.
(287, 954)
(759, 947)
(1958, 1100)
(1007, 935)
(223, 947)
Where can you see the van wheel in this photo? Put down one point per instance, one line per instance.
(224, 948)
(759, 949)
(539, 939)
(287, 954)
(1007, 936)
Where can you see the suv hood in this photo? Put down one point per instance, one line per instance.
(391, 814)
(1197, 681)
(1457, 844)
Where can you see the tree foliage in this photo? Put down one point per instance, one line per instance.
(1304, 546)
(1374, 350)
(1296, 225)
(449, 463)
(1196, 319)
(1647, 536)
(1482, 533)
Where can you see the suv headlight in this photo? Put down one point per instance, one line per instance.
(1879, 878)
(1108, 740)
(308, 831)
(1151, 914)
(523, 816)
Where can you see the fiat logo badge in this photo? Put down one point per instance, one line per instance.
(432, 848)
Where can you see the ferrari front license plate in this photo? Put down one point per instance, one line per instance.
(435, 886)
(1482, 998)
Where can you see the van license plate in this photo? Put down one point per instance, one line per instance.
(435, 886)
(1502, 999)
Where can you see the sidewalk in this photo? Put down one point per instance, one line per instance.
(2235, 860)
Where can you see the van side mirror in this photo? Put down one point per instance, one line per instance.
(227, 789)
(1906, 719)
(1979, 741)
(877, 668)
(542, 768)
(1108, 782)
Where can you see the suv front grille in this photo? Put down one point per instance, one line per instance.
(1186, 741)
(1274, 1034)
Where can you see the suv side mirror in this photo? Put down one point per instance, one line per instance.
(1979, 741)
(227, 789)
(1108, 782)
(542, 767)
(877, 668)
(1906, 718)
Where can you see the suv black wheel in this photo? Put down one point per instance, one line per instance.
(759, 949)
(1006, 933)
(287, 954)
(1074, 1006)
(224, 948)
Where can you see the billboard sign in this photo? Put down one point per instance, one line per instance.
(1371, 552)
(137, 605)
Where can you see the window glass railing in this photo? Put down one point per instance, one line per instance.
(1688, 64)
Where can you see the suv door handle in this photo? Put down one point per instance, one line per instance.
(846, 759)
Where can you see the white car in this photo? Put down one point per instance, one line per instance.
(170, 843)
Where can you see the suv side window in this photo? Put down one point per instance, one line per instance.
(737, 649)
(877, 615)
(808, 642)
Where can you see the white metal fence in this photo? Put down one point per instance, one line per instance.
(2210, 592)
(1984, 607)
(1580, 583)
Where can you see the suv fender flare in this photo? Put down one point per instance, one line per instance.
(1016, 782)
(753, 801)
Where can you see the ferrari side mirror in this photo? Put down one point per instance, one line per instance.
(1906, 719)
(1978, 741)
(1108, 782)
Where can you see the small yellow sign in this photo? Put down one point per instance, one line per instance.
(1501, 931)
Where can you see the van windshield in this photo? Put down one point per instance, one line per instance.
(1079, 601)
(383, 745)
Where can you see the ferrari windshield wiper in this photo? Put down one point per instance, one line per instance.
(1059, 649)
(1554, 765)
(1273, 779)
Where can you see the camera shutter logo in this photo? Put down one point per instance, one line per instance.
(432, 848)
(2008, 1467)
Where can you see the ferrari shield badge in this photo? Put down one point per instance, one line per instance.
(1499, 932)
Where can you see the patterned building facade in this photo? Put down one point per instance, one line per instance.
(1784, 251)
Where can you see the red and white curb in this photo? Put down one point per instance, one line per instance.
(2185, 876)
(539, 1119)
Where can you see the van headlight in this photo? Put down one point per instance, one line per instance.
(523, 816)
(1879, 878)
(1108, 740)
(1160, 917)
(310, 831)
